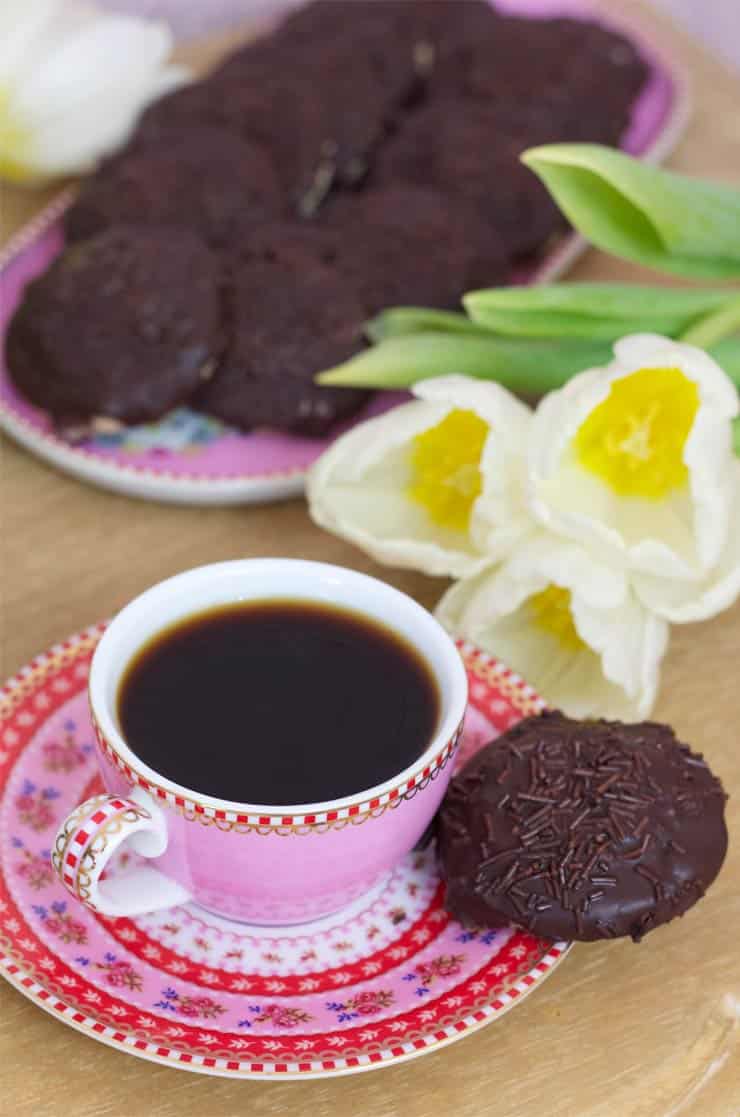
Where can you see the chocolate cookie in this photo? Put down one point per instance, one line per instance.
(541, 57)
(470, 153)
(319, 102)
(203, 178)
(405, 245)
(125, 325)
(290, 317)
(581, 829)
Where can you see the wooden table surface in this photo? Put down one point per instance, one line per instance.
(623, 1030)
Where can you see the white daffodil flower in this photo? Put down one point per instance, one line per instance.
(635, 461)
(569, 624)
(681, 600)
(73, 80)
(436, 484)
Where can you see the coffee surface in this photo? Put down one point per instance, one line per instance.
(278, 702)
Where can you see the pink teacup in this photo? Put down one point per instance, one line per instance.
(252, 862)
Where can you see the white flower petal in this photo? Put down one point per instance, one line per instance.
(358, 488)
(544, 560)
(74, 81)
(23, 27)
(113, 54)
(500, 517)
(679, 536)
(90, 131)
(488, 399)
(631, 643)
(684, 601)
(614, 675)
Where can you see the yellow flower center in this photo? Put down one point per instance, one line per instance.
(550, 610)
(634, 439)
(445, 464)
(15, 144)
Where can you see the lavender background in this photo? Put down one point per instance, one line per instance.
(715, 22)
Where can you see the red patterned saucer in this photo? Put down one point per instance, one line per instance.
(389, 978)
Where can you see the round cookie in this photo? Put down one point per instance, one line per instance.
(521, 57)
(112, 330)
(290, 317)
(406, 245)
(470, 153)
(581, 829)
(204, 178)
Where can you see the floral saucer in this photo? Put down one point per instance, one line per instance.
(189, 458)
(385, 980)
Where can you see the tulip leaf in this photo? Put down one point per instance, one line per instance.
(663, 220)
(595, 310)
(401, 320)
(715, 325)
(530, 368)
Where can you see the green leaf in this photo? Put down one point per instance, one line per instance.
(530, 367)
(595, 310)
(727, 355)
(402, 320)
(664, 220)
(715, 325)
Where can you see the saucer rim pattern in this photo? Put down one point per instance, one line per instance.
(20, 971)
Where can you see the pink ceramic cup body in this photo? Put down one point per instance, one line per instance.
(252, 862)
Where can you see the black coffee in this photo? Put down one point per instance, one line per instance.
(278, 702)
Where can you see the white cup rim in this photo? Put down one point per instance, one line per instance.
(453, 688)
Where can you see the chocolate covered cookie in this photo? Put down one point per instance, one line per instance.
(581, 829)
(205, 179)
(123, 326)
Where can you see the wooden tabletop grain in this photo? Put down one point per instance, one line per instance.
(622, 1030)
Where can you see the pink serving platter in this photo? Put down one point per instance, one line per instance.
(189, 458)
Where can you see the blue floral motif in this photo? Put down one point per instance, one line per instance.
(244, 1023)
(477, 935)
(367, 1003)
(59, 907)
(170, 996)
(50, 793)
(16, 843)
(181, 431)
(81, 960)
(202, 1007)
(421, 990)
(343, 1015)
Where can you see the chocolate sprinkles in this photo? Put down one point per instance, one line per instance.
(570, 817)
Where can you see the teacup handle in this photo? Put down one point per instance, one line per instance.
(93, 832)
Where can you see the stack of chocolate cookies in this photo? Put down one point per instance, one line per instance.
(364, 154)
